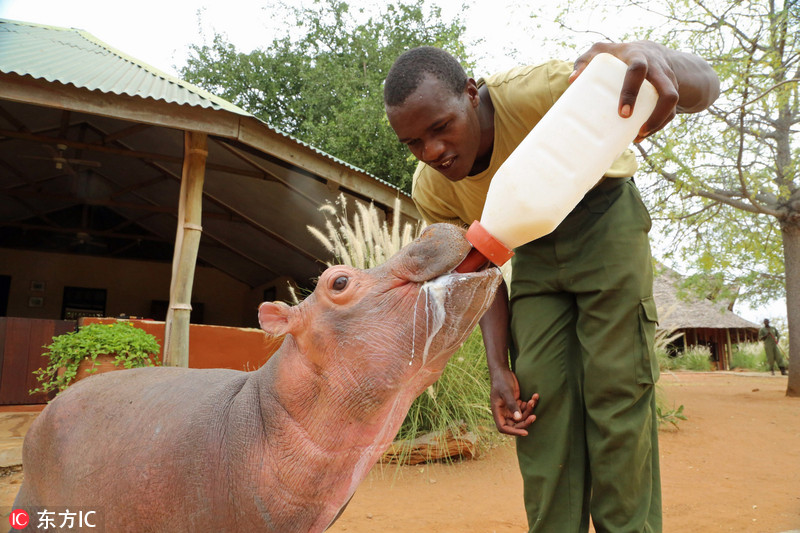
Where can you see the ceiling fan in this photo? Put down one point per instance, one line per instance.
(83, 238)
(60, 160)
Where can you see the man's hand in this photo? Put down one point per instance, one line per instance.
(685, 83)
(512, 416)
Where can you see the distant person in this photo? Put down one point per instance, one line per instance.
(769, 335)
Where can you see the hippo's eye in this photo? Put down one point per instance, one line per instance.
(340, 283)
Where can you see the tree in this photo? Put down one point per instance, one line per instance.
(726, 180)
(733, 171)
(322, 81)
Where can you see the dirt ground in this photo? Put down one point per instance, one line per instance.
(734, 465)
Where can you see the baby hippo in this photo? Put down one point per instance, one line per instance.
(281, 449)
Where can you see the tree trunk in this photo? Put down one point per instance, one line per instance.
(791, 253)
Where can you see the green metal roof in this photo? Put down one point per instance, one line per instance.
(73, 56)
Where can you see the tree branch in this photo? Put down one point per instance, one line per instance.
(717, 195)
(759, 97)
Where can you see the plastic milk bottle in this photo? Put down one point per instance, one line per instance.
(558, 162)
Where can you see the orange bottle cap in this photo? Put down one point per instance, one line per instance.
(473, 262)
(494, 250)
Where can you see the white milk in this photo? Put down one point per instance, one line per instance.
(565, 155)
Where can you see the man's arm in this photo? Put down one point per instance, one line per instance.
(685, 82)
(511, 414)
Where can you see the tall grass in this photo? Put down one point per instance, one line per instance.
(749, 356)
(696, 358)
(666, 361)
(458, 401)
(664, 413)
(746, 356)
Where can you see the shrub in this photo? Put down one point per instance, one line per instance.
(697, 358)
(132, 347)
(667, 360)
(669, 416)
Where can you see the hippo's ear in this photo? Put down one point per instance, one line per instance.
(275, 318)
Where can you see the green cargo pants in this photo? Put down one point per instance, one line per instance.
(582, 329)
(773, 356)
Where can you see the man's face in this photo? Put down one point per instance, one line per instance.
(440, 128)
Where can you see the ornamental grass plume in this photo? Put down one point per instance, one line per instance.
(362, 239)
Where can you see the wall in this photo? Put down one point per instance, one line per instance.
(131, 286)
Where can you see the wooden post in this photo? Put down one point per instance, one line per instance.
(730, 349)
(187, 242)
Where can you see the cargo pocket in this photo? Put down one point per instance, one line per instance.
(647, 371)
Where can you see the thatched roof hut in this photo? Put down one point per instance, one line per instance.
(701, 321)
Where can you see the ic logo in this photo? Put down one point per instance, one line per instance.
(19, 519)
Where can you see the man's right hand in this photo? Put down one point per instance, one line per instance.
(512, 416)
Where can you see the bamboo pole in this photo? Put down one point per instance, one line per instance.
(187, 242)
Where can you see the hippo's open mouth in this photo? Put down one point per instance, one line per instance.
(448, 309)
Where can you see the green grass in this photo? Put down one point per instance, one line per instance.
(696, 358)
(358, 237)
(667, 415)
(746, 356)
(749, 356)
(665, 361)
(460, 398)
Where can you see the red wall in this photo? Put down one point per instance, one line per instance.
(214, 346)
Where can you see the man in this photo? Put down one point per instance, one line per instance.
(581, 316)
(769, 335)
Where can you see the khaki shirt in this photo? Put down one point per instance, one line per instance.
(521, 97)
(764, 335)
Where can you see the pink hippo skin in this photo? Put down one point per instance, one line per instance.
(283, 448)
